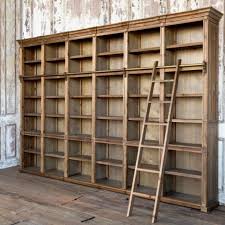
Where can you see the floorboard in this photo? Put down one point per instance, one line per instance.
(31, 200)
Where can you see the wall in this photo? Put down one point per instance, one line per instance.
(41, 17)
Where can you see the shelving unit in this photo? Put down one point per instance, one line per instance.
(83, 99)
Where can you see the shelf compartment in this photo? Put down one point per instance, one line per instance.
(80, 150)
(32, 60)
(54, 166)
(54, 148)
(80, 55)
(110, 176)
(80, 126)
(110, 52)
(32, 162)
(32, 145)
(32, 124)
(54, 126)
(55, 58)
(144, 48)
(109, 155)
(80, 170)
(185, 45)
(109, 140)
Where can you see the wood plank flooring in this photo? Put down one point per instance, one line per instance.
(32, 200)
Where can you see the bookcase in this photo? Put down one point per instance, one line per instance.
(83, 99)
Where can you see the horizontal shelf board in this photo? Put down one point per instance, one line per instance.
(184, 173)
(81, 96)
(56, 135)
(117, 118)
(54, 172)
(138, 96)
(55, 97)
(85, 158)
(146, 144)
(33, 61)
(54, 76)
(55, 154)
(194, 148)
(109, 182)
(32, 114)
(32, 169)
(80, 137)
(34, 77)
(163, 81)
(55, 115)
(184, 197)
(32, 151)
(193, 95)
(81, 177)
(110, 162)
(109, 96)
(192, 121)
(58, 59)
(81, 74)
(144, 50)
(80, 116)
(116, 53)
(31, 133)
(109, 140)
(185, 45)
(32, 97)
(103, 73)
(81, 57)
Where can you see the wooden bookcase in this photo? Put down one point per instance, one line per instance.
(83, 98)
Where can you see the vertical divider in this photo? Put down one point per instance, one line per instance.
(43, 108)
(93, 157)
(162, 89)
(125, 103)
(21, 71)
(66, 128)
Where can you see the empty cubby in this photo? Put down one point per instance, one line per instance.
(54, 166)
(32, 61)
(143, 48)
(32, 162)
(185, 42)
(80, 55)
(55, 58)
(32, 144)
(110, 52)
(54, 147)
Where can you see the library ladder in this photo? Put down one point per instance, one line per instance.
(163, 147)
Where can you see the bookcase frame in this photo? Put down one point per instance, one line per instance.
(83, 97)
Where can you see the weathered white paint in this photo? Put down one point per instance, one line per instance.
(10, 14)
(30, 18)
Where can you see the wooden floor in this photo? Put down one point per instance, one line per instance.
(32, 200)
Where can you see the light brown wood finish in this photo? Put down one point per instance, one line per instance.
(108, 67)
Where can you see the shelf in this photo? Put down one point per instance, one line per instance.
(35, 61)
(81, 57)
(185, 45)
(110, 162)
(144, 50)
(109, 140)
(80, 137)
(117, 118)
(55, 154)
(32, 133)
(85, 158)
(55, 115)
(80, 116)
(109, 182)
(54, 173)
(60, 59)
(33, 151)
(81, 97)
(32, 114)
(143, 167)
(81, 177)
(32, 169)
(185, 148)
(184, 173)
(54, 135)
(116, 53)
(32, 97)
(109, 96)
(55, 97)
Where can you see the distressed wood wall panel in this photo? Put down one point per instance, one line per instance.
(27, 19)
(10, 29)
(119, 11)
(10, 49)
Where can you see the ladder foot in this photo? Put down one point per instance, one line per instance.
(154, 219)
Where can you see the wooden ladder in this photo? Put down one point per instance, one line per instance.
(164, 147)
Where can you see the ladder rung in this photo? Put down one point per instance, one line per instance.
(143, 195)
(148, 168)
(162, 81)
(152, 146)
(160, 102)
(155, 123)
